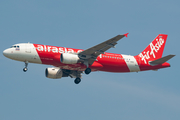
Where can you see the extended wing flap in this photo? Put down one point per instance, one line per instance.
(161, 60)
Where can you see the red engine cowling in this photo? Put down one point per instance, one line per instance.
(54, 73)
(67, 58)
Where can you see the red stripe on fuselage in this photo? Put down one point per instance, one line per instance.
(109, 62)
(113, 63)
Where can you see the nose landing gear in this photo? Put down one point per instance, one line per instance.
(25, 69)
(26, 64)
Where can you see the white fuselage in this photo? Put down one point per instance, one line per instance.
(23, 52)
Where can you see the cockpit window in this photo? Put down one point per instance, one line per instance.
(14, 46)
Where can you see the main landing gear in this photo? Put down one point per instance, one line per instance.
(77, 80)
(26, 64)
(87, 71)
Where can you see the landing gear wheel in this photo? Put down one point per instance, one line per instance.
(26, 64)
(25, 69)
(88, 70)
(77, 80)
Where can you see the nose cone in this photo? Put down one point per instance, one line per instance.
(6, 53)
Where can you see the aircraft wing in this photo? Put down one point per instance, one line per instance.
(92, 53)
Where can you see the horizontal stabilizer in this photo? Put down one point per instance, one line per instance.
(161, 60)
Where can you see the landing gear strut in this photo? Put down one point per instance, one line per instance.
(77, 80)
(26, 64)
(87, 71)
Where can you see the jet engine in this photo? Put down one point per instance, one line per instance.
(67, 58)
(54, 73)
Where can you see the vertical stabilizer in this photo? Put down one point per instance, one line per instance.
(155, 49)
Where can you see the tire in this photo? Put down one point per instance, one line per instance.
(87, 71)
(25, 69)
(77, 80)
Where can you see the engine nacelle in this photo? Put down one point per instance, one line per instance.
(54, 73)
(67, 58)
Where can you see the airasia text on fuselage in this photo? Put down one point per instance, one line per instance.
(54, 49)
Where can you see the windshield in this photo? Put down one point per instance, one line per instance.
(14, 46)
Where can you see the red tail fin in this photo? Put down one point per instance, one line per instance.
(155, 49)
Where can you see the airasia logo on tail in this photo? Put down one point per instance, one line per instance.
(152, 50)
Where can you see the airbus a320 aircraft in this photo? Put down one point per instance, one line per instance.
(73, 62)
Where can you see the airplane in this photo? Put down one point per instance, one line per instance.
(70, 62)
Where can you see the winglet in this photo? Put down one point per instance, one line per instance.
(126, 34)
